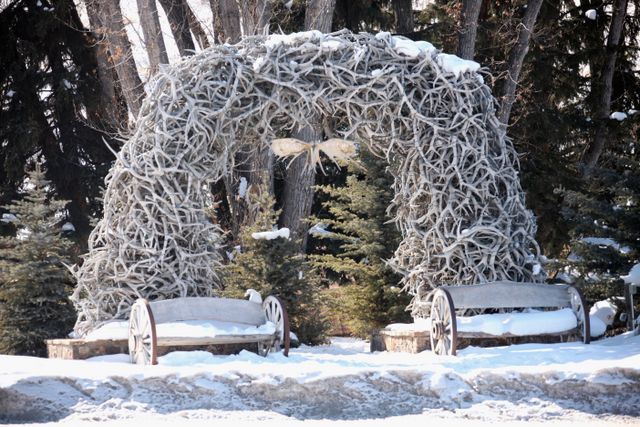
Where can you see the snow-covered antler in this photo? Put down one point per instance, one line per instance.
(458, 200)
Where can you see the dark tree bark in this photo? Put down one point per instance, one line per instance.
(256, 15)
(298, 191)
(297, 198)
(319, 15)
(516, 59)
(111, 117)
(229, 13)
(120, 51)
(153, 40)
(177, 17)
(403, 16)
(468, 28)
(196, 28)
(595, 148)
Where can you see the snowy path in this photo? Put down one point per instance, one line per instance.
(598, 384)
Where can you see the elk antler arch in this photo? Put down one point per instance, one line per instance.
(458, 200)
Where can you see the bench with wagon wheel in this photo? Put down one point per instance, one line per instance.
(205, 321)
(520, 309)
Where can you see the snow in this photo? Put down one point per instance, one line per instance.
(270, 235)
(519, 324)
(410, 48)
(604, 242)
(254, 296)
(456, 65)
(633, 277)
(242, 187)
(331, 44)
(276, 40)
(618, 115)
(113, 330)
(8, 218)
(210, 328)
(258, 63)
(632, 112)
(605, 311)
(10, 93)
(67, 226)
(119, 329)
(591, 14)
(319, 229)
(341, 384)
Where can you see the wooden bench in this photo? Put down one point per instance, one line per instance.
(159, 324)
(447, 300)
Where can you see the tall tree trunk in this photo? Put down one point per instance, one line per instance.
(595, 148)
(319, 15)
(298, 191)
(153, 40)
(108, 98)
(255, 16)
(121, 54)
(403, 10)
(228, 12)
(468, 28)
(516, 59)
(297, 198)
(177, 17)
(196, 28)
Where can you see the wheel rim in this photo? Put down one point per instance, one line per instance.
(579, 309)
(275, 312)
(443, 329)
(142, 337)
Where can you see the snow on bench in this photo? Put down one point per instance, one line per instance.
(569, 317)
(200, 321)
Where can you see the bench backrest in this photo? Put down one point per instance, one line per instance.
(505, 294)
(207, 308)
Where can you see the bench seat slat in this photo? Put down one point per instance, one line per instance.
(201, 308)
(507, 294)
(222, 339)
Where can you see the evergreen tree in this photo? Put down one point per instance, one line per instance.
(275, 267)
(368, 298)
(34, 284)
(51, 105)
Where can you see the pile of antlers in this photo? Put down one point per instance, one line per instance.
(458, 199)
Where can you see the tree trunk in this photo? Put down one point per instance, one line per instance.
(196, 28)
(255, 16)
(468, 28)
(177, 17)
(403, 16)
(106, 74)
(153, 40)
(228, 12)
(298, 191)
(595, 148)
(516, 59)
(121, 54)
(319, 15)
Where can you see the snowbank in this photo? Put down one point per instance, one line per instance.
(339, 382)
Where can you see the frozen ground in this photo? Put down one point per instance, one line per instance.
(341, 384)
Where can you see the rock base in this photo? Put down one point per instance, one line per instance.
(400, 341)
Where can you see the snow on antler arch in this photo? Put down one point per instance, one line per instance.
(458, 201)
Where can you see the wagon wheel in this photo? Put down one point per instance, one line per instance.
(580, 310)
(274, 311)
(143, 344)
(444, 332)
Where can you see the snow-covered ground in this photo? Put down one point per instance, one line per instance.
(342, 384)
